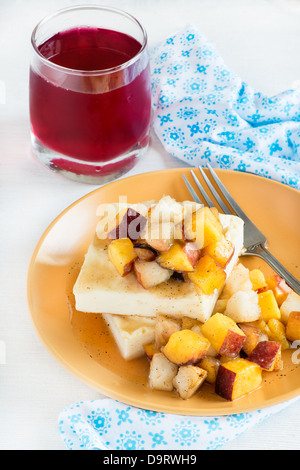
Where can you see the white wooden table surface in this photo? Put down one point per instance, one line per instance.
(259, 39)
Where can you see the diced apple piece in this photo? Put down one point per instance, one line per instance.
(239, 279)
(224, 335)
(159, 234)
(237, 378)
(160, 244)
(186, 347)
(278, 333)
(150, 350)
(188, 381)
(221, 251)
(122, 255)
(175, 259)
(208, 276)
(291, 304)
(253, 337)
(279, 288)
(145, 252)
(293, 326)
(162, 373)
(193, 227)
(164, 327)
(211, 365)
(268, 305)
(266, 354)
(130, 226)
(192, 253)
(258, 280)
(150, 274)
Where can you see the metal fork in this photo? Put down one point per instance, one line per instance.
(254, 240)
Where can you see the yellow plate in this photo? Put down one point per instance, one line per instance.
(81, 343)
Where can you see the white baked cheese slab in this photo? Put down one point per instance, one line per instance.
(100, 289)
(131, 333)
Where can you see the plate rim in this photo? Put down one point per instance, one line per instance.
(105, 390)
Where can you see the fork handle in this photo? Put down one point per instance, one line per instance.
(263, 253)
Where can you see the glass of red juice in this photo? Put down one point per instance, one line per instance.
(90, 93)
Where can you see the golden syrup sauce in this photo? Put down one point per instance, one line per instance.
(93, 333)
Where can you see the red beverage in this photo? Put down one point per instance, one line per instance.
(90, 99)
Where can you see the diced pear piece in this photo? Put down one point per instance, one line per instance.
(243, 307)
(291, 304)
(162, 373)
(188, 380)
(293, 326)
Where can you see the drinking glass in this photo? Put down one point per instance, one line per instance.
(90, 92)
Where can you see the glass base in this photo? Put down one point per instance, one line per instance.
(84, 171)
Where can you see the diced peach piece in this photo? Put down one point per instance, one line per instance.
(150, 350)
(224, 335)
(265, 354)
(186, 347)
(122, 255)
(279, 288)
(188, 380)
(211, 365)
(252, 337)
(213, 230)
(203, 227)
(175, 259)
(263, 327)
(208, 275)
(293, 326)
(268, 305)
(237, 378)
(278, 333)
(221, 251)
(258, 280)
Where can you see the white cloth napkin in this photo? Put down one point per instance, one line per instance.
(204, 113)
(106, 424)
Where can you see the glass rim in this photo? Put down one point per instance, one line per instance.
(117, 68)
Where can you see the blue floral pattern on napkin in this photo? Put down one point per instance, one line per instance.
(204, 113)
(106, 424)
